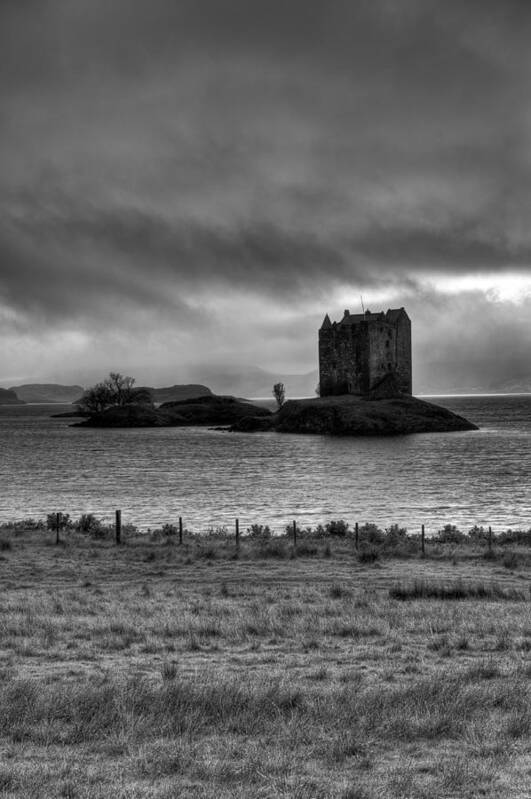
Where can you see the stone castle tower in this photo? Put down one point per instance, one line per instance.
(357, 353)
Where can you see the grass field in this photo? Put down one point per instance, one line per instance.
(159, 670)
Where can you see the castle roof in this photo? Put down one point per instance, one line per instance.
(356, 318)
(392, 315)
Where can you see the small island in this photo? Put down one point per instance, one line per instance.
(341, 416)
(348, 415)
(206, 410)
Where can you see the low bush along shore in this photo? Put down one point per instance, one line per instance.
(154, 669)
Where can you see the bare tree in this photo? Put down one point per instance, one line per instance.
(96, 398)
(115, 390)
(279, 392)
(121, 388)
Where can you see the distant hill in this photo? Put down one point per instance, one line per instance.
(48, 392)
(466, 376)
(169, 393)
(182, 392)
(521, 385)
(9, 397)
(252, 381)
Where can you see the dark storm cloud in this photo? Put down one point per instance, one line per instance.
(462, 248)
(88, 258)
(40, 279)
(153, 150)
(368, 34)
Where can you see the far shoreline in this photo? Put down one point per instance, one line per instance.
(469, 394)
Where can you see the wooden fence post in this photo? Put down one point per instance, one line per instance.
(422, 541)
(118, 526)
(294, 533)
(180, 529)
(237, 534)
(490, 539)
(356, 535)
(57, 524)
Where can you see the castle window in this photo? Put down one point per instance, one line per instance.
(389, 366)
(387, 344)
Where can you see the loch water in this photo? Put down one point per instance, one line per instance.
(210, 477)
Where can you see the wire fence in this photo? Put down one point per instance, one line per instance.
(361, 536)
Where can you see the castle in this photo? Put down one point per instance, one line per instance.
(365, 351)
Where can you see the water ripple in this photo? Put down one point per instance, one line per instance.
(209, 477)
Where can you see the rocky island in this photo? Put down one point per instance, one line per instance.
(342, 415)
(349, 415)
(209, 410)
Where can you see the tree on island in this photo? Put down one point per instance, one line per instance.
(279, 392)
(116, 390)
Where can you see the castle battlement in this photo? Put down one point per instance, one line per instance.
(359, 351)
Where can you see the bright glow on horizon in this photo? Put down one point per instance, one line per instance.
(509, 287)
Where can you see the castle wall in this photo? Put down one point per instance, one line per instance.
(358, 352)
(343, 360)
(403, 355)
(382, 345)
(327, 362)
(355, 358)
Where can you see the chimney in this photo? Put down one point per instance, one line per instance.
(347, 313)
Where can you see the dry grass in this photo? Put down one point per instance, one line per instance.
(154, 670)
(457, 589)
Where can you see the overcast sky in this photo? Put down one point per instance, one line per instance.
(202, 180)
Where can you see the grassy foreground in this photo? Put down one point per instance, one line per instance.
(154, 670)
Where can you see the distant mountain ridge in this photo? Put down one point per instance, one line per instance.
(252, 381)
(174, 393)
(47, 392)
(465, 375)
(9, 397)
